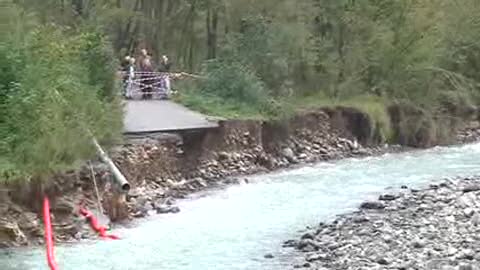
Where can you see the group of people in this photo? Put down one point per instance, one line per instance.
(145, 77)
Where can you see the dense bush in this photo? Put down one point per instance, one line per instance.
(99, 58)
(229, 89)
(54, 87)
(234, 82)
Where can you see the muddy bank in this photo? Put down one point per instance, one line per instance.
(412, 229)
(165, 167)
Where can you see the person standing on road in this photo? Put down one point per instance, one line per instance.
(164, 67)
(130, 85)
(146, 67)
(124, 73)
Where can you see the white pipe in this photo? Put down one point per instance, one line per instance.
(118, 176)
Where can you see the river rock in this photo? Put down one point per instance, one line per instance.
(387, 197)
(419, 243)
(430, 225)
(142, 206)
(167, 209)
(289, 155)
(316, 257)
(383, 261)
(475, 219)
(310, 236)
(467, 200)
(372, 205)
(471, 188)
(308, 245)
(269, 256)
(467, 254)
(360, 219)
(468, 212)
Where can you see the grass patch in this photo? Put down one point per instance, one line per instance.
(229, 109)
(374, 106)
(215, 106)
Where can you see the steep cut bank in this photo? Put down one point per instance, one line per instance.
(414, 126)
(163, 168)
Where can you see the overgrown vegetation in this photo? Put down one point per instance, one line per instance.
(261, 59)
(55, 84)
(371, 55)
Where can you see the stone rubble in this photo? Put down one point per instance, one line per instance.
(433, 228)
(224, 168)
(469, 135)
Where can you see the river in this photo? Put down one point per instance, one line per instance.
(234, 228)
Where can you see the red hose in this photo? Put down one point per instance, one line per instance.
(48, 234)
(101, 230)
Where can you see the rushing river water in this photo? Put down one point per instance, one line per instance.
(234, 228)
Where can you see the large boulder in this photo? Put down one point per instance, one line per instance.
(289, 155)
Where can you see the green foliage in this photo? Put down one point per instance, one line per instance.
(233, 82)
(343, 48)
(215, 106)
(230, 89)
(50, 97)
(256, 46)
(265, 59)
(99, 58)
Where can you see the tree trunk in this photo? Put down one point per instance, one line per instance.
(159, 37)
(212, 26)
(192, 37)
(78, 7)
(126, 35)
(341, 56)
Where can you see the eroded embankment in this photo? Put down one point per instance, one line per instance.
(168, 167)
(161, 170)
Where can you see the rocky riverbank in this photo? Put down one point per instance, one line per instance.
(432, 228)
(242, 148)
(166, 167)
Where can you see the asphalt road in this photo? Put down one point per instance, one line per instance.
(150, 116)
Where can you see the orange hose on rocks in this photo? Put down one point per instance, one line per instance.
(48, 234)
(101, 230)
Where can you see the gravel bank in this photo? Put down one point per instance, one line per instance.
(433, 228)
